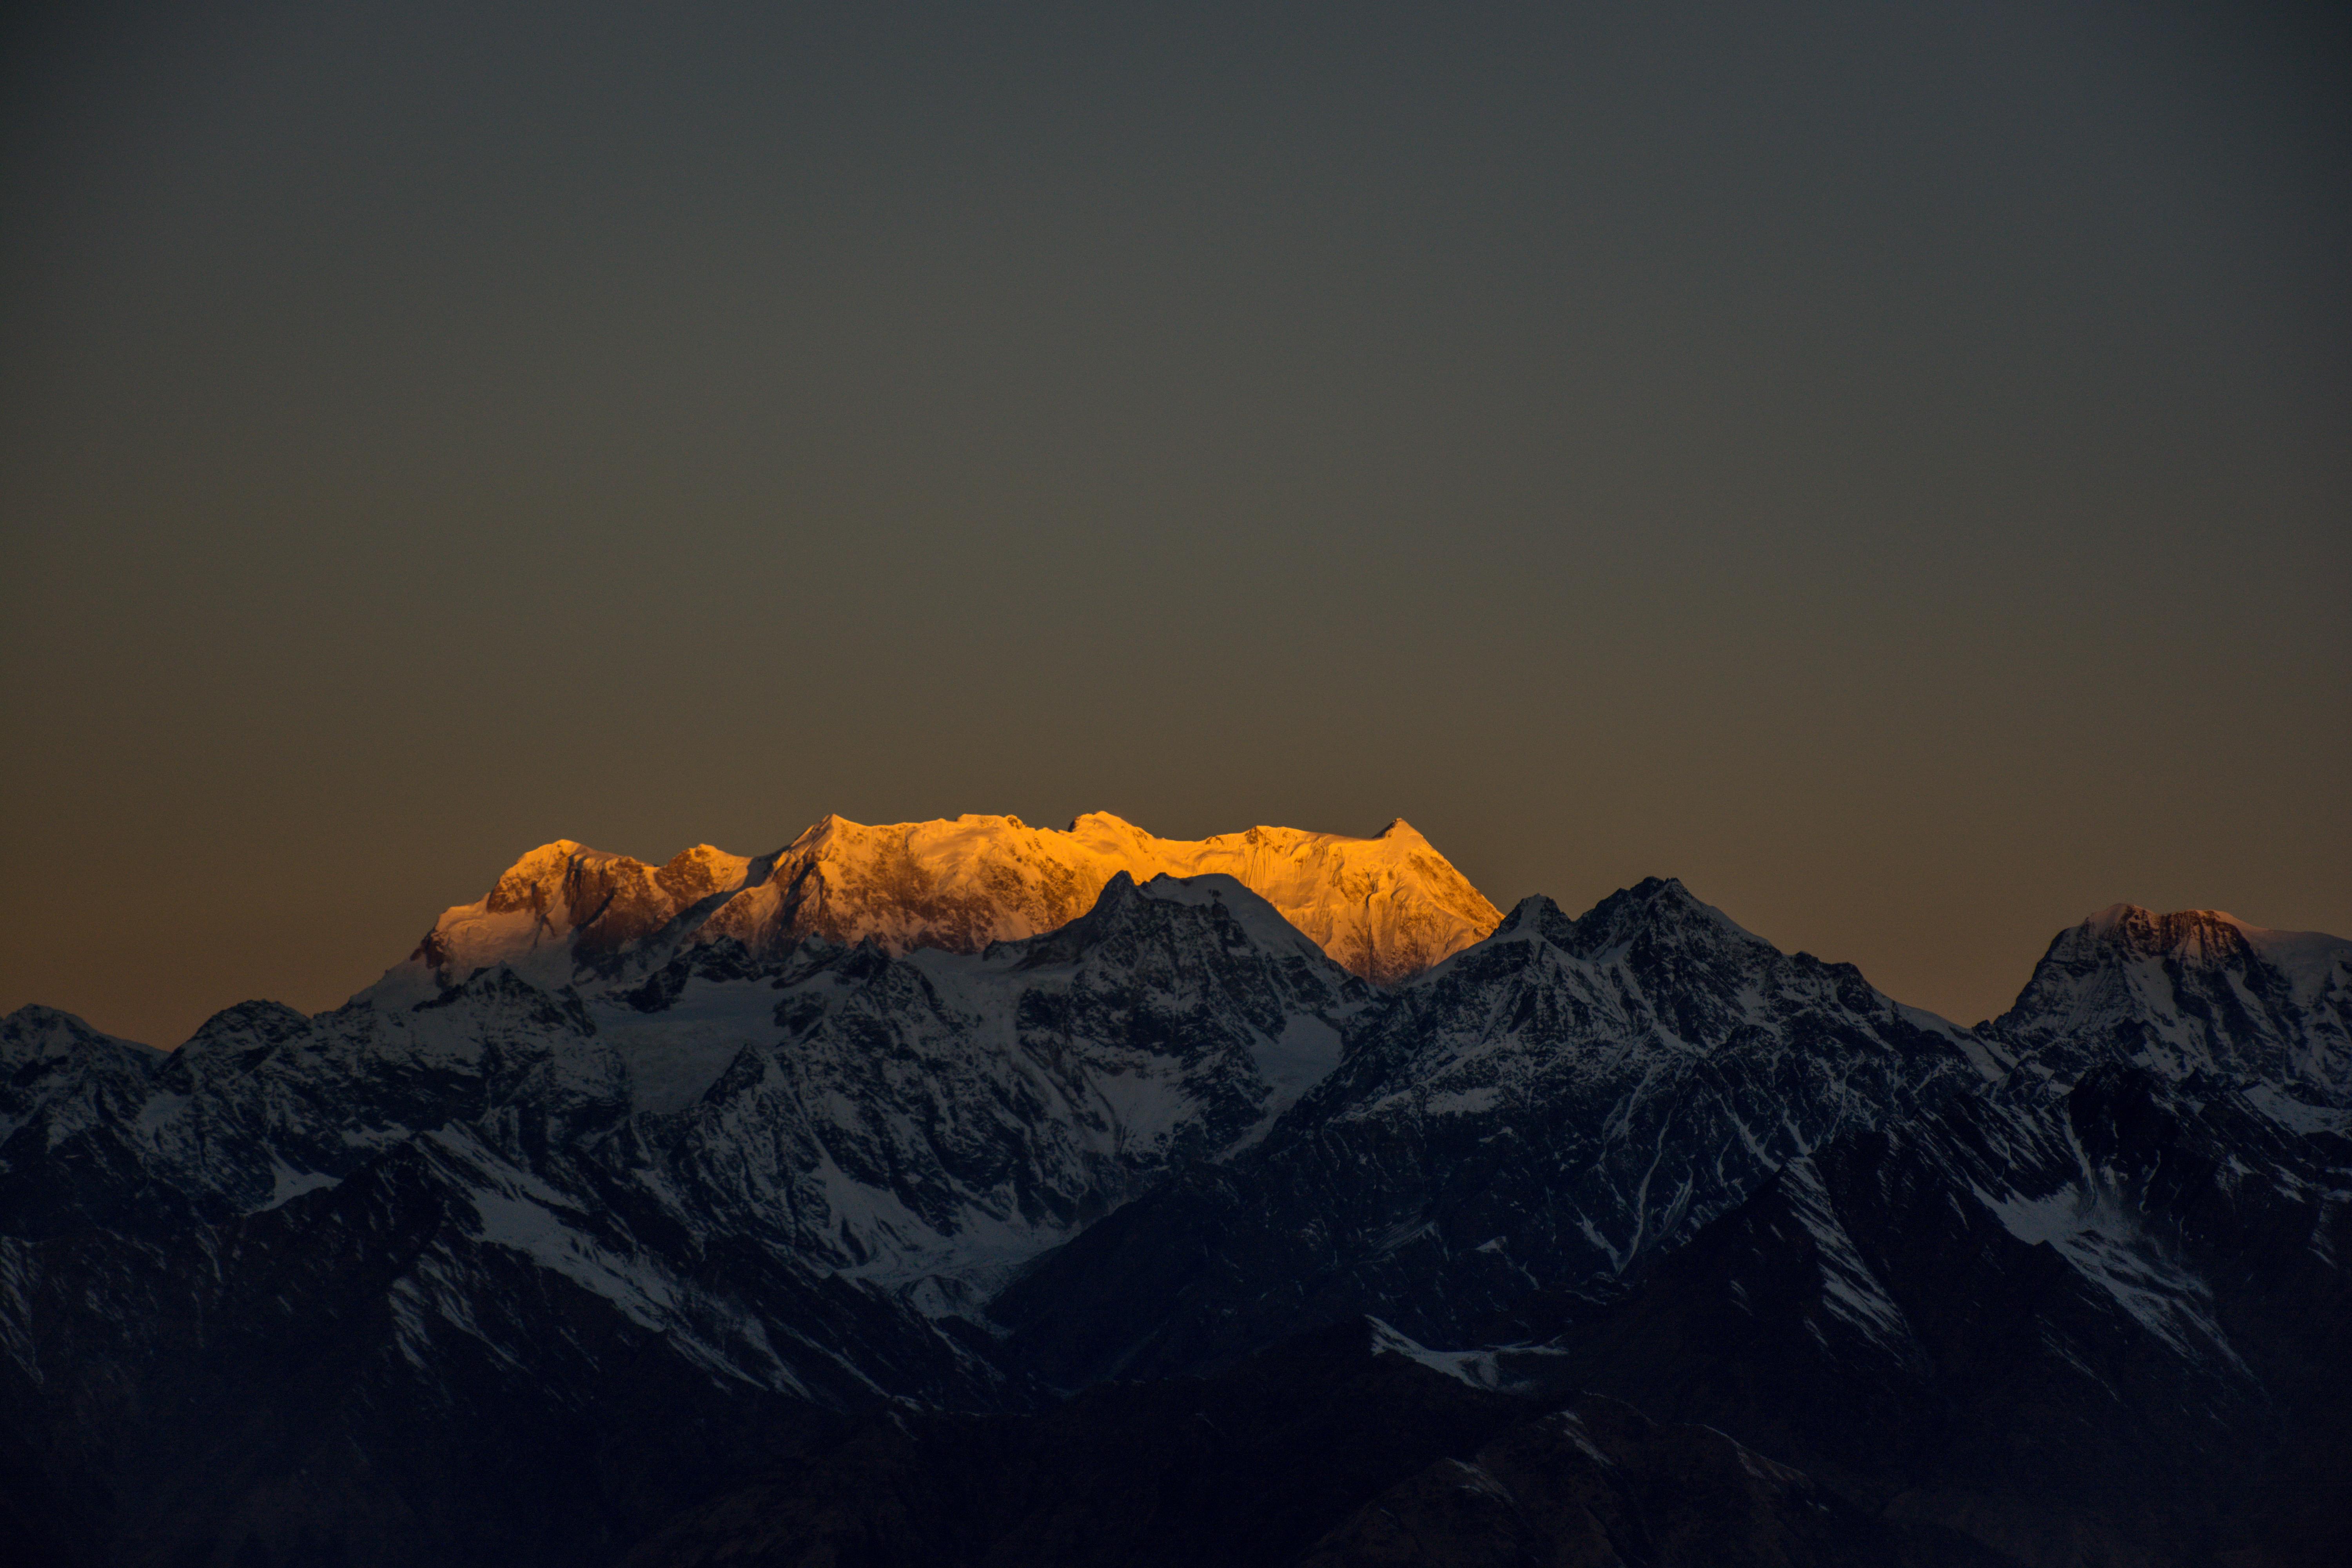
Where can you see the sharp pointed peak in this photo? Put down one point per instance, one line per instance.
(1120, 899)
(1654, 903)
(1532, 910)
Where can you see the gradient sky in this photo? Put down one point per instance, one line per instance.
(1890, 466)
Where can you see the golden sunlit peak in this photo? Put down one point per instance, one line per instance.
(1386, 907)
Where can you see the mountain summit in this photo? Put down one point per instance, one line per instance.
(1385, 908)
(2192, 991)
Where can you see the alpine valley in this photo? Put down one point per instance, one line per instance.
(967, 1193)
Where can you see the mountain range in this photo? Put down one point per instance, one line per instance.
(1384, 908)
(966, 1192)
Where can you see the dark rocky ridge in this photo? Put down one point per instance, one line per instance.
(2150, 1381)
(1552, 1106)
(692, 1259)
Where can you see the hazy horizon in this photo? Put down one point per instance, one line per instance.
(1890, 469)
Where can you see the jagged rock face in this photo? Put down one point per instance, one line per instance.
(2102, 1328)
(939, 1113)
(607, 902)
(853, 1106)
(768, 1180)
(2196, 990)
(57, 1069)
(900, 1114)
(1555, 1104)
(263, 1103)
(444, 1359)
(563, 909)
(1384, 908)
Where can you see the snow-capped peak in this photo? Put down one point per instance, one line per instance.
(2214, 936)
(564, 903)
(2191, 990)
(1385, 908)
(1657, 906)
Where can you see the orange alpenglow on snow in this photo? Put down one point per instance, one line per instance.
(1385, 908)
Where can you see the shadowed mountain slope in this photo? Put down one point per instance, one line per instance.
(1345, 1447)
(736, 1242)
(1554, 1105)
(415, 1280)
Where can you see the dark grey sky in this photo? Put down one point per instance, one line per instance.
(1890, 466)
